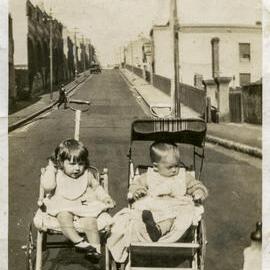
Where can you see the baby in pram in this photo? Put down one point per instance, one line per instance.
(163, 207)
(164, 189)
(76, 193)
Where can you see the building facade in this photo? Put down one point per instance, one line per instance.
(11, 71)
(237, 49)
(31, 34)
(36, 38)
(68, 50)
(137, 52)
(226, 36)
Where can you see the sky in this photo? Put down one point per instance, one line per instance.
(109, 24)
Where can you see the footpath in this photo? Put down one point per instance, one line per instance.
(43, 104)
(241, 137)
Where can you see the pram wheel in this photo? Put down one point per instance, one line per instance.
(30, 250)
(202, 241)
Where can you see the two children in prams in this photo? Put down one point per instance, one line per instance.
(163, 199)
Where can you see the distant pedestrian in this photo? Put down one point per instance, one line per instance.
(62, 97)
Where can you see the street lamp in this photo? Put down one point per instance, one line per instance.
(51, 58)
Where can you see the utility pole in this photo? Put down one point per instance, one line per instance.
(132, 57)
(51, 58)
(75, 53)
(120, 56)
(83, 52)
(176, 106)
(88, 52)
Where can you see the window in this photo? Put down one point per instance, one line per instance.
(244, 78)
(244, 51)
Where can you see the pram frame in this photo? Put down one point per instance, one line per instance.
(34, 258)
(34, 250)
(198, 245)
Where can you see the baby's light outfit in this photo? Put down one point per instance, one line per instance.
(165, 195)
(166, 198)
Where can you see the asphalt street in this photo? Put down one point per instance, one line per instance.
(233, 179)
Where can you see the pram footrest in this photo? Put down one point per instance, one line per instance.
(59, 244)
(161, 255)
(160, 268)
(169, 245)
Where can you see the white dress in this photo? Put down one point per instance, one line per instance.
(81, 196)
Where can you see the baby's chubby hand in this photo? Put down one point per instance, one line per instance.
(199, 195)
(50, 163)
(140, 192)
(50, 167)
(48, 179)
(109, 202)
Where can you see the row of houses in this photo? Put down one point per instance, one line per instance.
(209, 48)
(34, 35)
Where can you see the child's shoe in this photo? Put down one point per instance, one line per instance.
(151, 226)
(83, 246)
(93, 256)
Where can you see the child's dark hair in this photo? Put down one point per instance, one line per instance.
(161, 148)
(71, 150)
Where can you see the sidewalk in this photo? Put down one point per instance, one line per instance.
(43, 102)
(155, 97)
(242, 133)
(240, 137)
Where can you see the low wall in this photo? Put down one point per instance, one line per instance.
(129, 67)
(235, 103)
(252, 103)
(148, 76)
(162, 83)
(194, 98)
(136, 70)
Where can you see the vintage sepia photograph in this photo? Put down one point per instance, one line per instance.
(135, 134)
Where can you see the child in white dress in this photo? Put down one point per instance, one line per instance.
(76, 193)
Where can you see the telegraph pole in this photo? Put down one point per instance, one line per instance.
(83, 53)
(176, 89)
(51, 58)
(132, 57)
(75, 53)
(120, 56)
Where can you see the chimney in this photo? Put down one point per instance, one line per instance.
(215, 57)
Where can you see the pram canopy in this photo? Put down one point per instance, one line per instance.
(186, 131)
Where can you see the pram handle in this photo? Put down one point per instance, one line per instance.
(161, 106)
(78, 101)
